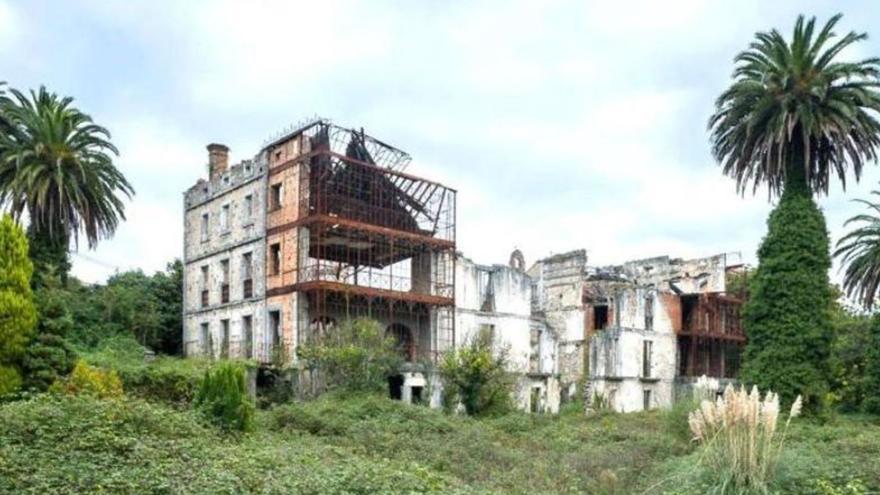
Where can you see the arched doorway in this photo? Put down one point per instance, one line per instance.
(404, 338)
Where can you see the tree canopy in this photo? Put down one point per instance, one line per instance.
(794, 109)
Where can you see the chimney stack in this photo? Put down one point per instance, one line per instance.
(218, 160)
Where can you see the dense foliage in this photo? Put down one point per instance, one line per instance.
(17, 313)
(795, 116)
(56, 166)
(363, 444)
(476, 376)
(163, 378)
(788, 314)
(89, 380)
(223, 397)
(794, 106)
(47, 359)
(859, 251)
(131, 303)
(855, 361)
(357, 355)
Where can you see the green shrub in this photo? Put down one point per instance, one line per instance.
(477, 377)
(356, 355)
(223, 397)
(165, 378)
(89, 380)
(47, 359)
(17, 314)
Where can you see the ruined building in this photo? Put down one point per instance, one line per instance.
(655, 325)
(324, 224)
(321, 225)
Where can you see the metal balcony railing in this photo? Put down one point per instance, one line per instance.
(372, 279)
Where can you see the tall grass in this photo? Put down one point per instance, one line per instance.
(739, 434)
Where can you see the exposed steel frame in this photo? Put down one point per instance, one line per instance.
(371, 239)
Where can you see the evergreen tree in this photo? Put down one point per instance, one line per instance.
(17, 314)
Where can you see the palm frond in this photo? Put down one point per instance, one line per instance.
(794, 101)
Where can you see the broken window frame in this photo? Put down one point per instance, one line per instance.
(224, 217)
(248, 212)
(206, 227)
(275, 258)
(206, 283)
(247, 269)
(224, 338)
(247, 335)
(276, 196)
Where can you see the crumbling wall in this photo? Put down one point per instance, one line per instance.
(560, 280)
(498, 298)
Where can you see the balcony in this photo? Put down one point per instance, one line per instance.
(378, 283)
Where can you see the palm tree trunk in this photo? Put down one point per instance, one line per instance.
(795, 168)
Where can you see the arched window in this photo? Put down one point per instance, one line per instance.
(404, 338)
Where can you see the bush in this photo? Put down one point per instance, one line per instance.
(788, 314)
(477, 378)
(165, 378)
(739, 436)
(357, 355)
(17, 314)
(223, 397)
(47, 359)
(88, 380)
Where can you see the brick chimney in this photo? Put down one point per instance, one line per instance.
(218, 160)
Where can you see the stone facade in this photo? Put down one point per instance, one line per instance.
(311, 232)
(224, 231)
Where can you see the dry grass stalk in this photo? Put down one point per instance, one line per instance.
(740, 436)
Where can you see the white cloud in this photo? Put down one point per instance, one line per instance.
(10, 27)
(563, 125)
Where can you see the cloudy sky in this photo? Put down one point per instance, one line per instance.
(563, 125)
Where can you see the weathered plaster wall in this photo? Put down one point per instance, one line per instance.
(558, 282)
(500, 297)
(616, 353)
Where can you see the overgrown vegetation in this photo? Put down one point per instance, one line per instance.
(89, 380)
(795, 116)
(17, 313)
(788, 314)
(476, 376)
(361, 443)
(223, 397)
(357, 355)
(740, 438)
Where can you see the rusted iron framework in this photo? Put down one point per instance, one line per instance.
(711, 338)
(371, 239)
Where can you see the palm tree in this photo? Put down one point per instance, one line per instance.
(796, 113)
(859, 251)
(794, 116)
(56, 165)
